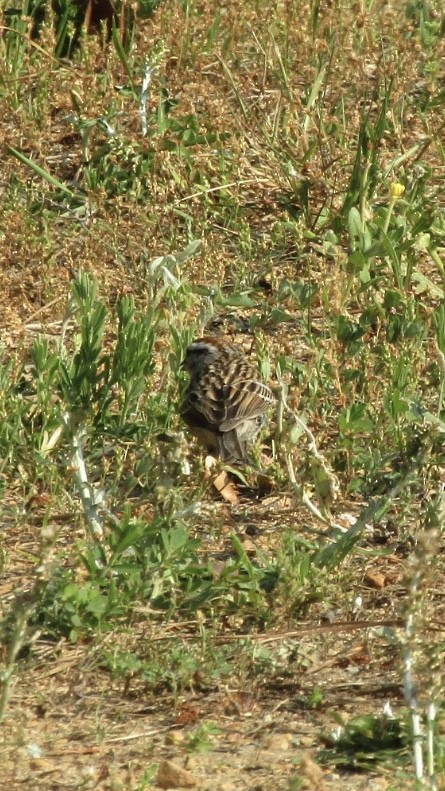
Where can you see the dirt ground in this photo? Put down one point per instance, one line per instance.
(70, 725)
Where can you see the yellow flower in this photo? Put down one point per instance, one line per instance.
(396, 189)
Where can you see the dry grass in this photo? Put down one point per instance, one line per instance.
(256, 113)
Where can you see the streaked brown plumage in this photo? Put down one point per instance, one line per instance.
(226, 401)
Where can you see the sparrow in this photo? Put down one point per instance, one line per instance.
(225, 401)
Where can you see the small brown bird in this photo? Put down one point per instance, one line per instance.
(225, 402)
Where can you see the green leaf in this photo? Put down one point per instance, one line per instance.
(425, 284)
(278, 316)
(188, 251)
(122, 55)
(43, 173)
(238, 301)
(355, 224)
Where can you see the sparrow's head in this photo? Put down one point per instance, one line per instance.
(203, 352)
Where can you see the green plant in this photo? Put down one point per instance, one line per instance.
(201, 740)
(237, 169)
(365, 740)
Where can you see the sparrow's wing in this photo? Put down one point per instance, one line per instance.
(202, 417)
(224, 397)
(244, 400)
(200, 412)
(223, 408)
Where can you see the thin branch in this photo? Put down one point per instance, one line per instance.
(90, 499)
